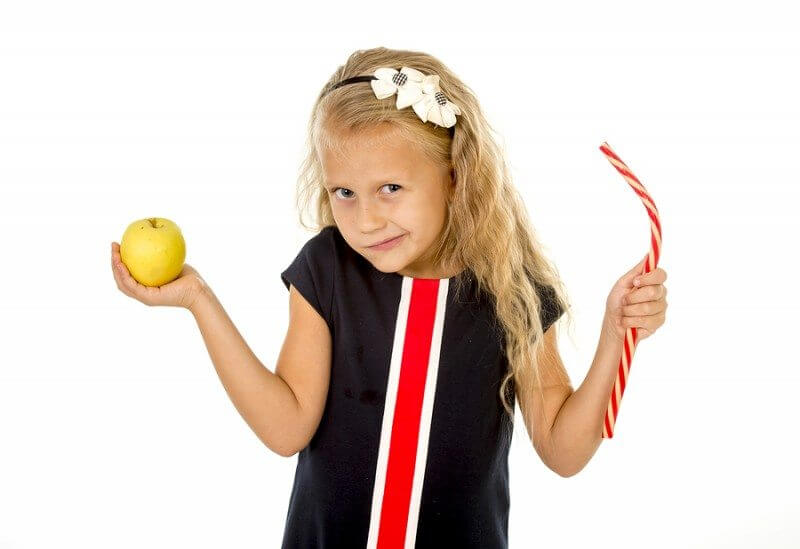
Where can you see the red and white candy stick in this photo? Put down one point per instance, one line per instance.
(629, 345)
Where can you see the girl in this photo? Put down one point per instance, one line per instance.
(419, 312)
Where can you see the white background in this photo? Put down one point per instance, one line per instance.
(115, 430)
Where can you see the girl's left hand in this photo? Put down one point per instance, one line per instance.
(641, 305)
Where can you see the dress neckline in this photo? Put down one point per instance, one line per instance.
(421, 278)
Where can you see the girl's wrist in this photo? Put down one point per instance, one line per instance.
(609, 333)
(202, 295)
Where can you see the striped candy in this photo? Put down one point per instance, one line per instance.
(629, 345)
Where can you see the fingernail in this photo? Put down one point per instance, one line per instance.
(637, 281)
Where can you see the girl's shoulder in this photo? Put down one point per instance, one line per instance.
(313, 269)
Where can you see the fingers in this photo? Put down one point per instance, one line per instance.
(116, 262)
(644, 306)
(647, 293)
(635, 313)
(120, 273)
(627, 279)
(643, 310)
(651, 323)
(125, 282)
(647, 287)
(657, 276)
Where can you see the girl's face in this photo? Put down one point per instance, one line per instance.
(386, 190)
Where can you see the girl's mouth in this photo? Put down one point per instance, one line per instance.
(388, 244)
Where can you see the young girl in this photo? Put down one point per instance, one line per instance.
(419, 312)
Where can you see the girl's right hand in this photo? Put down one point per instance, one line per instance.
(181, 292)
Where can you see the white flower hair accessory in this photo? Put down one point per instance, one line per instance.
(413, 88)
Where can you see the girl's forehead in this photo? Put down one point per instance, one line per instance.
(345, 141)
(360, 154)
(365, 164)
(371, 153)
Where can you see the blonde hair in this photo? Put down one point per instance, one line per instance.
(487, 226)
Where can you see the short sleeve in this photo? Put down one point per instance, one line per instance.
(550, 310)
(312, 273)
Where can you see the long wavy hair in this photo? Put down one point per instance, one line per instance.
(487, 227)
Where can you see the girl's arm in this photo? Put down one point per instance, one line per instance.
(263, 398)
(283, 408)
(577, 430)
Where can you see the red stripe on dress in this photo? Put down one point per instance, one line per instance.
(408, 409)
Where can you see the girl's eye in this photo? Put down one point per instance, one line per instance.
(348, 190)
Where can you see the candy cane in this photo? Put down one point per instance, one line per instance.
(629, 345)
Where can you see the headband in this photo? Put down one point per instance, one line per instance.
(413, 88)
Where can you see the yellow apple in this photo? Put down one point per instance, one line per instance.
(153, 250)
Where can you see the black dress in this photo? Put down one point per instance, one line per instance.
(412, 448)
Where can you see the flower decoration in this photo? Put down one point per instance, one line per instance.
(418, 90)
